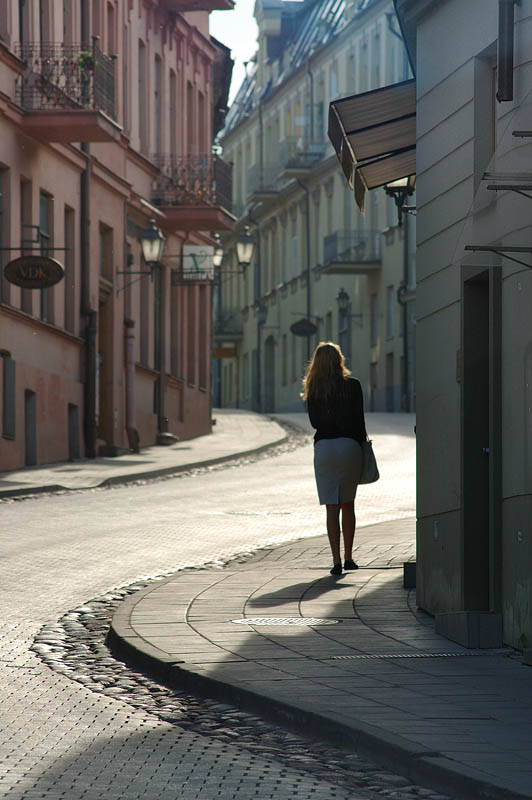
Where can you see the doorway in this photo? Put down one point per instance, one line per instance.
(269, 375)
(475, 442)
(30, 428)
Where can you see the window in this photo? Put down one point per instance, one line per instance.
(105, 252)
(174, 324)
(328, 326)
(96, 21)
(203, 354)
(374, 320)
(202, 126)
(284, 360)
(157, 117)
(70, 274)
(24, 21)
(245, 377)
(173, 113)
(390, 313)
(145, 292)
(111, 32)
(27, 238)
(4, 231)
(191, 335)
(4, 27)
(45, 243)
(68, 22)
(125, 80)
(44, 21)
(143, 99)
(8, 398)
(191, 144)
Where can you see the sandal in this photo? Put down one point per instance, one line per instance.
(349, 564)
(336, 570)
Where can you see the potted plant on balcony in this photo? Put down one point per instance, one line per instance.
(85, 61)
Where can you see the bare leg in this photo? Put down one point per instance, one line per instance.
(333, 531)
(348, 528)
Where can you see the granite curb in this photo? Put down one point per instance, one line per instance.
(144, 475)
(391, 750)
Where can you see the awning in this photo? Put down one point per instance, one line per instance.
(374, 135)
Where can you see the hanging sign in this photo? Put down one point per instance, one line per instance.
(34, 272)
(303, 327)
(197, 262)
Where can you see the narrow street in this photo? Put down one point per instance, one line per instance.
(60, 739)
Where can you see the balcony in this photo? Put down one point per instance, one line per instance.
(195, 192)
(200, 5)
(297, 156)
(67, 92)
(352, 253)
(262, 183)
(229, 327)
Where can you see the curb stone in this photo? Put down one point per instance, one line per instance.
(138, 476)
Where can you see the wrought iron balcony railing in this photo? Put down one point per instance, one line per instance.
(352, 247)
(65, 76)
(193, 180)
(298, 153)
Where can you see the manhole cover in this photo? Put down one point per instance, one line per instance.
(285, 621)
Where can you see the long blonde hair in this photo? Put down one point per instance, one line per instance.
(324, 373)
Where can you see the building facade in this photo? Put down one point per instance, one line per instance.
(107, 122)
(474, 293)
(316, 258)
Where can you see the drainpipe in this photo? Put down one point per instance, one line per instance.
(311, 88)
(261, 146)
(90, 316)
(257, 295)
(406, 238)
(129, 342)
(307, 237)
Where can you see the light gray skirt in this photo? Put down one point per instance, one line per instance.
(337, 467)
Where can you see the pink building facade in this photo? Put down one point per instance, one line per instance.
(106, 122)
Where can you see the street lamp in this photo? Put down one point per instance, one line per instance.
(218, 256)
(344, 304)
(400, 190)
(152, 244)
(245, 246)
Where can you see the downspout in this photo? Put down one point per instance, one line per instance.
(257, 295)
(90, 315)
(307, 237)
(311, 96)
(406, 253)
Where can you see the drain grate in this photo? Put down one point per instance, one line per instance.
(285, 621)
(418, 655)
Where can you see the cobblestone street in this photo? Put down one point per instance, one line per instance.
(59, 738)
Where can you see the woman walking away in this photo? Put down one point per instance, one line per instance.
(336, 409)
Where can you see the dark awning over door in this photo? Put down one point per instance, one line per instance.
(374, 135)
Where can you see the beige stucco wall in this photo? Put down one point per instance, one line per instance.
(455, 209)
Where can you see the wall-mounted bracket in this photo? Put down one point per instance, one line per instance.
(501, 251)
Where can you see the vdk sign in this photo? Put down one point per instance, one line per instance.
(34, 272)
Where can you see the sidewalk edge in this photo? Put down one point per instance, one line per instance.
(139, 476)
(390, 750)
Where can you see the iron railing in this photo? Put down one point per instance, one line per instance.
(298, 153)
(352, 246)
(65, 76)
(193, 180)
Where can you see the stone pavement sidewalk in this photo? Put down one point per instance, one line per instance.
(373, 676)
(236, 433)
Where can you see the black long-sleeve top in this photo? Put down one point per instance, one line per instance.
(343, 415)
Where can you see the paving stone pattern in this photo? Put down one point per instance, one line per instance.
(61, 739)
